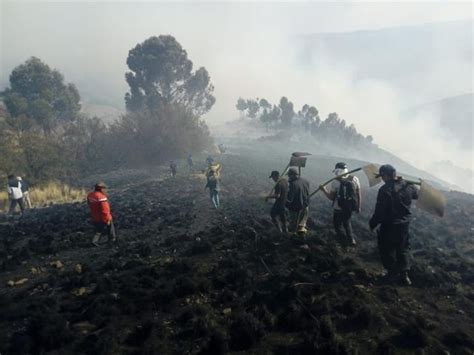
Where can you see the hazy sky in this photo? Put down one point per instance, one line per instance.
(246, 47)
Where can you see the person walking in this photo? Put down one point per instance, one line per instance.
(25, 187)
(101, 215)
(346, 198)
(213, 185)
(15, 195)
(298, 202)
(280, 194)
(392, 213)
(173, 168)
(190, 162)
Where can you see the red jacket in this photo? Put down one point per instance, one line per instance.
(99, 206)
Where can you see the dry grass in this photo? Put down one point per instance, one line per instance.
(47, 194)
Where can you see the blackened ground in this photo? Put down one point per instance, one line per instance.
(187, 279)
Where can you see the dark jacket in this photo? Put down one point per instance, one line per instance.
(212, 183)
(298, 194)
(393, 203)
(281, 190)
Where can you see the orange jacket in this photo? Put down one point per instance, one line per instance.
(99, 206)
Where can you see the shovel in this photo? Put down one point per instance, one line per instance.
(430, 199)
(297, 159)
(334, 178)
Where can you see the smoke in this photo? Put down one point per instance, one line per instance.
(257, 50)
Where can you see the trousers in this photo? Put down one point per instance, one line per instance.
(342, 223)
(214, 194)
(393, 244)
(278, 214)
(13, 204)
(298, 220)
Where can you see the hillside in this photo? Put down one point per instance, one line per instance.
(188, 279)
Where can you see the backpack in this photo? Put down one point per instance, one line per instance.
(347, 197)
(212, 182)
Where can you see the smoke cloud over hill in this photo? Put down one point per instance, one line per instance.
(271, 50)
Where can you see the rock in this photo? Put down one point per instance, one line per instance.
(57, 264)
(78, 268)
(305, 247)
(20, 282)
(227, 311)
(81, 291)
(84, 327)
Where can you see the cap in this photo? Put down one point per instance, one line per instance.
(387, 170)
(274, 173)
(340, 165)
(101, 184)
(292, 171)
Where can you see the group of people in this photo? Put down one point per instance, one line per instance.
(18, 194)
(392, 212)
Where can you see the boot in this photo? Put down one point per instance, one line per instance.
(96, 239)
(405, 279)
(352, 241)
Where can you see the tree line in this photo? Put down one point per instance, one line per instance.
(44, 135)
(283, 116)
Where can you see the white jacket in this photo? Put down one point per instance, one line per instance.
(14, 192)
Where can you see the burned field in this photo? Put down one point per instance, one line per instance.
(186, 279)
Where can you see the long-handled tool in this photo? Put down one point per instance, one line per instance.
(297, 159)
(334, 178)
(430, 199)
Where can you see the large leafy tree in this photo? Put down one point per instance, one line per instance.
(40, 94)
(287, 112)
(161, 73)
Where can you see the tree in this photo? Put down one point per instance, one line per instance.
(287, 112)
(147, 137)
(252, 108)
(161, 73)
(309, 117)
(241, 106)
(40, 93)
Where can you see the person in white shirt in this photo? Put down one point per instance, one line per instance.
(25, 188)
(15, 195)
(346, 196)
